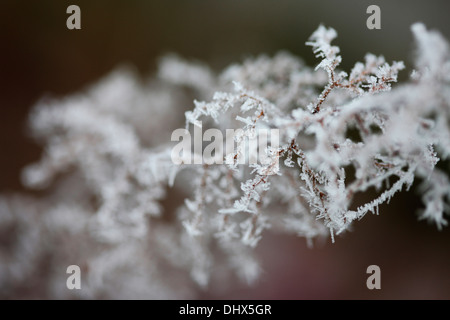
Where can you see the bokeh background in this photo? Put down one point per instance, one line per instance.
(39, 56)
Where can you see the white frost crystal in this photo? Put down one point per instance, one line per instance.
(108, 168)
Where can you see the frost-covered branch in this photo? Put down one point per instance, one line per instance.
(113, 189)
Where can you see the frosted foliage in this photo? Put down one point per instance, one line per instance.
(107, 168)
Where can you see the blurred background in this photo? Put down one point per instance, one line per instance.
(39, 56)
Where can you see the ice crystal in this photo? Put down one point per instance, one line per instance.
(108, 168)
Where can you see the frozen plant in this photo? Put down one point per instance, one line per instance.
(108, 170)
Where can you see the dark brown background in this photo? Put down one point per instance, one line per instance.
(39, 56)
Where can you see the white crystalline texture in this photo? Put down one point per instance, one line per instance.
(112, 190)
